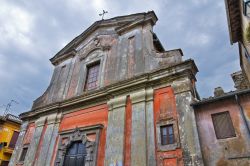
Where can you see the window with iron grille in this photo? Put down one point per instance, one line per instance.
(167, 134)
(75, 154)
(13, 139)
(223, 125)
(23, 155)
(92, 77)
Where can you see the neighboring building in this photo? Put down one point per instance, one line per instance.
(116, 98)
(223, 123)
(9, 131)
(238, 16)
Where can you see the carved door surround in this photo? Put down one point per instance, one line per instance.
(79, 134)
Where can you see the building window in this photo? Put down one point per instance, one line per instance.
(92, 77)
(167, 134)
(75, 154)
(223, 125)
(23, 155)
(13, 139)
(246, 8)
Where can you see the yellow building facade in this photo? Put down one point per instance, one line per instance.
(9, 131)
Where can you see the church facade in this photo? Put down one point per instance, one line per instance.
(116, 97)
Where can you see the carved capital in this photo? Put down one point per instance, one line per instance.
(117, 102)
(51, 119)
(40, 122)
(182, 85)
(138, 97)
(150, 94)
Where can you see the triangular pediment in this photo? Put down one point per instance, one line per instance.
(120, 24)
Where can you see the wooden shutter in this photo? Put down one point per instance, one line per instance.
(13, 139)
(223, 125)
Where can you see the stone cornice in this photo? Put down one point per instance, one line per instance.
(149, 94)
(131, 25)
(160, 76)
(56, 61)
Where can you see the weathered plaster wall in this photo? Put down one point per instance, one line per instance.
(230, 151)
(121, 56)
(165, 113)
(130, 130)
(130, 134)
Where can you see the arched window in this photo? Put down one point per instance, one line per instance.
(75, 154)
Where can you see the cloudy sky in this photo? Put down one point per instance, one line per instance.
(31, 32)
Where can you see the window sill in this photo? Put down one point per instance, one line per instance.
(170, 147)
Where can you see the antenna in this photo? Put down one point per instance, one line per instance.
(103, 13)
(7, 108)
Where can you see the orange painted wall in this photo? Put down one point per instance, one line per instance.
(128, 128)
(29, 134)
(89, 117)
(54, 151)
(164, 108)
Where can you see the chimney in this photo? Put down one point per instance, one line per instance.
(218, 91)
(240, 81)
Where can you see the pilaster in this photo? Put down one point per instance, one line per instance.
(151, 160)
(39, 124)
(115, 132)
(53, 139)
(48, 141)
(18, 148)
(187, 124)
(138, 135)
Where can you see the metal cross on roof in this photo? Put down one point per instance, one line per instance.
(103, 13)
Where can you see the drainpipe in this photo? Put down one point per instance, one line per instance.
(242, 113)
